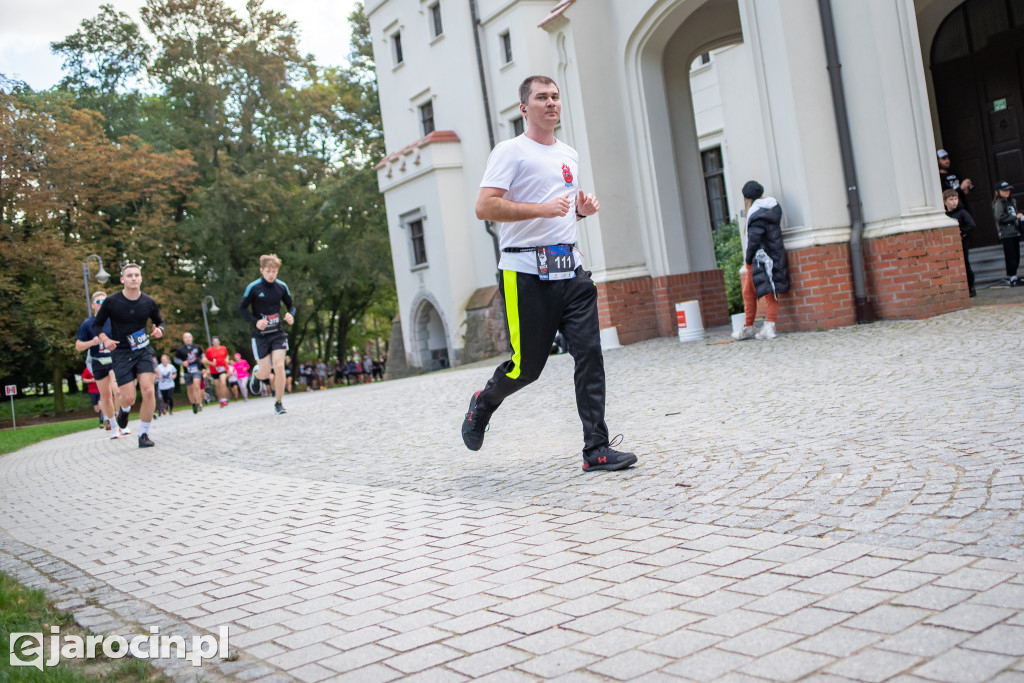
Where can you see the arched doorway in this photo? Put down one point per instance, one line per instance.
(662, 49)
(977, 63)
(430, 338)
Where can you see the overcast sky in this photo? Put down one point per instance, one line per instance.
(27, 27)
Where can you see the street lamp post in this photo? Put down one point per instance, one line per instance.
(102, 276)
(215, 311)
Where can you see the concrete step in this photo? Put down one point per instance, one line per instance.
(988, 264)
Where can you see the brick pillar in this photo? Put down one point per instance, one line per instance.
(644, 308)
(909, 275)
(916, 275)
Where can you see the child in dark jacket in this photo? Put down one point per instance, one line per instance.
(1008, 225)
(953, 209)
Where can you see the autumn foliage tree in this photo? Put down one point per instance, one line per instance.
(238, 146)
(66, 191)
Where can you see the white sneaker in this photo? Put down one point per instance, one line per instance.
(767, 331)
(746, 333)
(117, 433)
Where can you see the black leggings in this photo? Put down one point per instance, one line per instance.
(967, 261)
(168, 396)
(1011, 251)
(535, 310)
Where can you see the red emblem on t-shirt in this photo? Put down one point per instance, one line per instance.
(567, 174)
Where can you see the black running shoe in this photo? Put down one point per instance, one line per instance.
(145, 441)
(195, 408)
(279, 409)
(607, 458)
(475, 425)
(122, 419)
(255, 383)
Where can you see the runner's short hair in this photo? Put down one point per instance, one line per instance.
(527, 85)
(946, 194)
(97, 295)
(270, 260)
(130, 265)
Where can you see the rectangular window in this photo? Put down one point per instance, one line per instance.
(427, 117)
(714, 186)
(436, 27)
(396, 46)
(506, 47)
(419, 247)
(517, 126)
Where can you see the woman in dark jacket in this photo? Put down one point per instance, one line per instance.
(1008, 223)
(767, 272)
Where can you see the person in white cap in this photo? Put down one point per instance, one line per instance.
(1008, 220)
(949, 180)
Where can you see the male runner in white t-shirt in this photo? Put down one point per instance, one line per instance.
(531, 187)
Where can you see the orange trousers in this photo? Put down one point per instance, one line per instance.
(750, 300)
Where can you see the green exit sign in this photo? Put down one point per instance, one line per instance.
(999, 105)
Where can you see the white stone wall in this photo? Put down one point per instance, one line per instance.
(639, 119)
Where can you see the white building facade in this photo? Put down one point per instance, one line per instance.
(665, 141)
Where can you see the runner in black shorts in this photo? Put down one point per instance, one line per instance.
(261, 305)
(99, 362)
(189, 357)
(128, 311)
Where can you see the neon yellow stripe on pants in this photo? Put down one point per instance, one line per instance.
(512, 312)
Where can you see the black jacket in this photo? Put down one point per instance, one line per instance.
(764, 231)
(964, 218)
(1005, 214)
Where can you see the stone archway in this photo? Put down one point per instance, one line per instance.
(661, 50)
(430, 349)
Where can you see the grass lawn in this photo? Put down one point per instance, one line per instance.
(24, 610)
(30, 406)
(13, 439)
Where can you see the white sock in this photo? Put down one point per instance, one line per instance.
(113, 422)
(144, 428)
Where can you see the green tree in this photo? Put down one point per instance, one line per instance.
(103, 59)
(67, 191)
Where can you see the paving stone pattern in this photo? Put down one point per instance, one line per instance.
(834, 506)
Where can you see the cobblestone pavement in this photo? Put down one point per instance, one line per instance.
(841, 505)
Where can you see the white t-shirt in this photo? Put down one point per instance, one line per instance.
(165, 375)
(532, 173)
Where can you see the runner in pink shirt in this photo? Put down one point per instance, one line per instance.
(241, 366)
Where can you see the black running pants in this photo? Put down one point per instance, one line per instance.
(1011, 252)
(535, 310)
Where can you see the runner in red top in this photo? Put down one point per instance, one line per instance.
(216, 360)
(94, 393)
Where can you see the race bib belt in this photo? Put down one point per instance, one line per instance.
(138, 340)
(554, 262)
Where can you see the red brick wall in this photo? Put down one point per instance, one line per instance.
(644, 308)
(916, 275)
(910, 275)
(820, 289)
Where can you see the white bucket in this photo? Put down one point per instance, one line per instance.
(738, 321)
(610, 338)
(691, 327)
